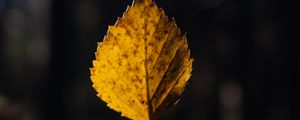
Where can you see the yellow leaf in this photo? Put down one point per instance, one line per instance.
(143, 64)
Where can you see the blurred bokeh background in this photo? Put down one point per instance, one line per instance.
(243, 58)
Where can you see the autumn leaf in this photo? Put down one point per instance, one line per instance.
(143, 64)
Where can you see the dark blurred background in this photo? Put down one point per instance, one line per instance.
(242, 50)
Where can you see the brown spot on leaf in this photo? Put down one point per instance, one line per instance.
(125, 55)
(151, 43)
(150, 60)
(136, 45)
(147, 33)
(136, 69)
(150, 78)
(166, 31)
(156, 37)
(109, 62)
(151, 5)
(135, 52)
(129, 68)
(103, 65)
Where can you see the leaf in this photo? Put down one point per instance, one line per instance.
(143, 64)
